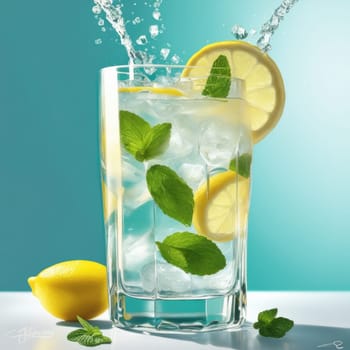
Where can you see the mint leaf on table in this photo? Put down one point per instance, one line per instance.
(219, 81)
(171, 193)
(88, 335)
(241, 165)
(140, 139)
(270, 326)
(192, 253)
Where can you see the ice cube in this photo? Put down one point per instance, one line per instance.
(179, 144)
(222, 280)
(217, 143)
(193, 174)
(165, 278)
(136, 195)
(138, 251)
(132, 170)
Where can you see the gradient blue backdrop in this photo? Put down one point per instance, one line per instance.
(50, 200)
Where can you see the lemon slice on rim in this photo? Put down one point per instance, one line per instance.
(221, 206)
(264, 84)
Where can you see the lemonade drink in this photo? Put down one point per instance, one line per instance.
(176, 170)
(207, 136)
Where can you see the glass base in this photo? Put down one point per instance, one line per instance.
(180, 315)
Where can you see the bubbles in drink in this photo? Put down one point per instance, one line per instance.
(100, 22)
(98, 41)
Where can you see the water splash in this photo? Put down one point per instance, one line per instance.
(269, 27)
(113, 13)
(239, 32)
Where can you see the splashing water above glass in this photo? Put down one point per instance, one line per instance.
(269, 27)
(113, 13)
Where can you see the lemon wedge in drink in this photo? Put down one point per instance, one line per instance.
(263, 81)
(221, 206)
(71, 288)
(152, 89)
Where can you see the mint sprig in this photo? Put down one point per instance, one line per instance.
(271, 326)
(219, 81)
(242, 164)
(173, 196)
(192, 253)
(88, 335)
(140, 139)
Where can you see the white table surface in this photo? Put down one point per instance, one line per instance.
(320, 319)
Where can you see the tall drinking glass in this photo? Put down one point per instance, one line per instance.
(176, 188)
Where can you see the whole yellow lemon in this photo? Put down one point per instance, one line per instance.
(71, 288)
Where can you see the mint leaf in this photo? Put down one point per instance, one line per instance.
(219, 81)
(265, 317)
(87, 326)
(270, 326)
(171, 193)
(242, 164)
(133, 131)
(89, 336)
(140, 139)
(102, 340)
(157, 140)
(75, 335)
(192, 253)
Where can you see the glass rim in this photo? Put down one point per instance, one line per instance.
(149, 65)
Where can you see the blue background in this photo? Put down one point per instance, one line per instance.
(50, 200)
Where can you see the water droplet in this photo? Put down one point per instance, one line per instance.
(264, 42)
(156, 14)
(106, 3)
(252, 32)
(98, 41)
(239, 32)
(175, 59)
(157, 3)
(154, 31)
(164, 53)
(136, 20)
(103, 29)
(281, 11)
(274, 22)
(141, 40)
(96, 9)
(101, 22)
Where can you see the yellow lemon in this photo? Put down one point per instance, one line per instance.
(263, 81)
(71, 288)
(221, 206)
